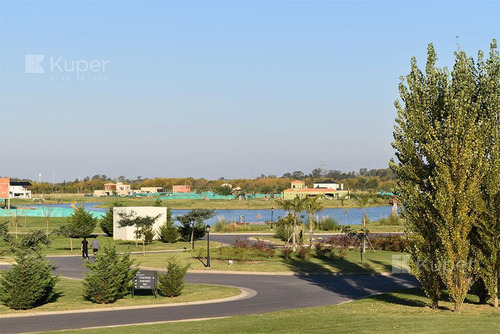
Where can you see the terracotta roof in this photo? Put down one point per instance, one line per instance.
(298, 181)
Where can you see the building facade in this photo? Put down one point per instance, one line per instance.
(299, 189)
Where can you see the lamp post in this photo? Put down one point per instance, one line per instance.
(272, 211)
(208, 246)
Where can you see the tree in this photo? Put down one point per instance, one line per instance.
(168, 232)
(80, 224)
(32, 241)
(363, 200)
(28, 283)
(171, 283)
(440, 149)
(486, 235)
(312, 206)
(110, 276)
(193, 226)
(47, 212)
(296, 206)
(143, 225)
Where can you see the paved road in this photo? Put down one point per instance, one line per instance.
(273, 293)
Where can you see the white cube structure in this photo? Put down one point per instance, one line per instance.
(127, 233)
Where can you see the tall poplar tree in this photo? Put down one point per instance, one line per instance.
(486, 234)
(440, 147)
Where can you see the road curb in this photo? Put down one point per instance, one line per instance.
(245, 294)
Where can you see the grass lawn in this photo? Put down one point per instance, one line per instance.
(403, 312)
(374, 262)
(220, 204)
(69, 297)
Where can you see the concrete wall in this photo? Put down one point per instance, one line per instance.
(127, 233)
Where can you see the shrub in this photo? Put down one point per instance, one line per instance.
(171, 283)
(389, 221)
(283, 232)
(287, 251)
(106, 223)
(222, 225)
(244, 250)
(29, 283)
(168, 233)
(390, 242)
(322, 250)
(149, 234)
(329, 224)
(109, 278)
(303, 253)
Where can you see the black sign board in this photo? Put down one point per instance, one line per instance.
(145, 280)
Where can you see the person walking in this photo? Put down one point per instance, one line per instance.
(95, 245)
(85, 248)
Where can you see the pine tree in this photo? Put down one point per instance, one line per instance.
(80, 224)
(168, 232)
(171, 283)
(28, 283)
(109, 278)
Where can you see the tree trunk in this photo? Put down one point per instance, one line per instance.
(435, 304)
(71, 244)
(495, 296)
(192, 236)
(364, 230)
(456, 307)
(310, 230)
(294, 234)
(144, 246)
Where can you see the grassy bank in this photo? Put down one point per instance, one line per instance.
(373, 262)
(187, 203)
(69, 297)
(403, 312)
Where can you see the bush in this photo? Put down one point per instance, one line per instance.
(149, 234)
(109, 278)
(303, 253)
(389, 221)
(287, 251)
(390, 242)
(106, 223)
(171, 283)
(29, 283)
(222, 225)
(284, 232)
(323, 250)
(243, 250)
(168, 233)
(329, 224)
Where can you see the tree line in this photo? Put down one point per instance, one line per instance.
(364, 180)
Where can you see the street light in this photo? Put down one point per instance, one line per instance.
(208, 246)
(272, 211)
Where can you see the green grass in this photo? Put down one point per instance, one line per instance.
(220, 204)
(402, 312)
(69, 297)
(374, 262)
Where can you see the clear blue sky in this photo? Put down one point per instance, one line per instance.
(216, 88)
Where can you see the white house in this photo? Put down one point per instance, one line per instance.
(127, 233)
(328, 184)
(19, 189)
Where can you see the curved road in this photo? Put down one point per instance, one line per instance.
(274, 293)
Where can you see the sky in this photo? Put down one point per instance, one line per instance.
(214, 89)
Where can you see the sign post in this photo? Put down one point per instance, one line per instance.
(145, 280)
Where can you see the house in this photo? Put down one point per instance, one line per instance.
(181, 189)
(328, 184)
(19, 189)
(299, 189)
(151, 190)
(118, 188)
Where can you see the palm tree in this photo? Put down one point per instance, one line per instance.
(363, 200)
(312, 206)
(295, 205)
